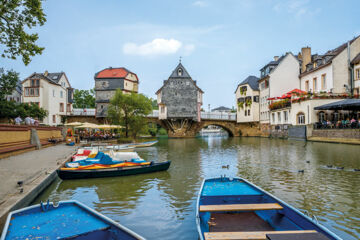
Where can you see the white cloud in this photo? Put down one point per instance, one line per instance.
(200, 4)
(158, 46)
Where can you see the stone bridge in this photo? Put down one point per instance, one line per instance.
(178, 128)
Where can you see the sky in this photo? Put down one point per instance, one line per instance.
(220, 42)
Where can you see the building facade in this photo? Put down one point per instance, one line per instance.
(277, 78)
(221, 109)
(52, 92)
(107, 81)
(179, 97)
(247, 100)
(326, 78)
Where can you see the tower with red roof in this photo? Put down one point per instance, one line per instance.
(106, 83)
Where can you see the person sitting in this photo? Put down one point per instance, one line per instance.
(18, 120)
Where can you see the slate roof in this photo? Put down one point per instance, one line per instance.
(356, 59)
(111, 72)
(325, 59)
(274, 63)
(184, 74)
(50, 77)
(252, 81)
(175, 74)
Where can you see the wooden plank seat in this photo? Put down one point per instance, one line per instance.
(297, 236)
(240, 207)
(261, 235)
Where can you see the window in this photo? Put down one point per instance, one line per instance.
(61, 107)
(162, 109)
(61, 94)
(262, 85)
(256, 98)
(279, 117)
(31, 92)
(248, 112)
(273, 117)
(323, 82)
(179, 72)
(101, 106)
(357, 74)
(300, 118)
(245, 113)
(286, 116)
(314, 84)
(53, 93)
(321, 116)
(307, 85)
(54, 118)
(68, 107)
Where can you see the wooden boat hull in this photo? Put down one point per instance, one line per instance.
(144, 144)
(67, 220)
(237, 209)
(113, 172)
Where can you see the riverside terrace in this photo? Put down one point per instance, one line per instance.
(343, 114)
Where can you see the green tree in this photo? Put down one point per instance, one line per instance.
(16, 18)
(8, 81)
(129, 110)
(154, 104)
(84, 98)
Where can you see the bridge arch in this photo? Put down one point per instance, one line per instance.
(224, 125)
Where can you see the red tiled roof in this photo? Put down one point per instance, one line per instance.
(113, 73)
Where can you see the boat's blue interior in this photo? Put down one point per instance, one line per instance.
(220, 191)
(68, 220)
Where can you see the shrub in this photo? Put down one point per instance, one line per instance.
(162, 132)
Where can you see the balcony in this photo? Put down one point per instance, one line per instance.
(32, 92)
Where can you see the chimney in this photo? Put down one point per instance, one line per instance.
(276, 58)
(306, 57)
(46, 73)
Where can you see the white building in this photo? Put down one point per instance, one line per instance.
(16, 95)
(327, 78)
(247, 100)
(356, 74)
(277, 78)
(52, 92)
(221, 109)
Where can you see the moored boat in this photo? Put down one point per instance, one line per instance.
(65, 173)
(67, 220)
(237, 209)
(143, 144)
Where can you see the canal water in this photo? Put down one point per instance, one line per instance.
(162, 205)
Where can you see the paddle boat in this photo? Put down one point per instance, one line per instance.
(83, 154)
(103, 165)
(143, 144)
(237, 209)
(65, 220)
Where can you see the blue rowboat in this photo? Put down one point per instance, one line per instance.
(67, 220)
(237, 209)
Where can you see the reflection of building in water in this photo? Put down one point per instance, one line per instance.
(185, 178)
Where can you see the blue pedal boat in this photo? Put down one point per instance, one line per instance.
(67, 220)
(233, 208)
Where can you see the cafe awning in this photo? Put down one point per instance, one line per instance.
(347, 104)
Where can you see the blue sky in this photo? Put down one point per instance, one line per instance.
(221, 42)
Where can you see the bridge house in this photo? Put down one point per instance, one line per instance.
(179, 97)
(106, 83)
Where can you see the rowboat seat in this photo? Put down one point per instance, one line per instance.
(248, 235)
(240, 207)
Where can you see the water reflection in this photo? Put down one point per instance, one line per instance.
(162, 205)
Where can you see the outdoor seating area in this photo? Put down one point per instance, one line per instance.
(340, 124)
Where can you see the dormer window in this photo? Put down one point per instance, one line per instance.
(179, 72)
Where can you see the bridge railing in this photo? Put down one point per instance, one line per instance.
(218, 116)
(83, 112)
(155, 114)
